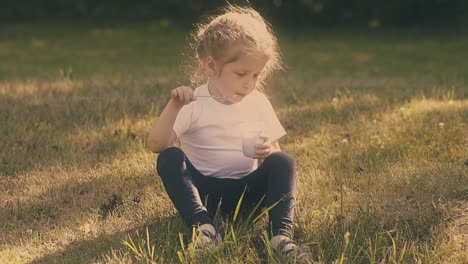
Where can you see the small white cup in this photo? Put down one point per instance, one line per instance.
(251, 136)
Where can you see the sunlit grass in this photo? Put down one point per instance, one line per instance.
(377, 122)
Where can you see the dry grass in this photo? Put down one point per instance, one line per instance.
(377, 122)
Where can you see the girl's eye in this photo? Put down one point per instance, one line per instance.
(240, 74)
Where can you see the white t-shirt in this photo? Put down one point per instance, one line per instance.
(210, 132)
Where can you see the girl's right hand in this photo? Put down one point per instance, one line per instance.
(182, 95)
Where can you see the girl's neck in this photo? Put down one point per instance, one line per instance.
(216, 94)
(213, 90)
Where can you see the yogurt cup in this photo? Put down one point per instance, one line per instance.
(251, 136)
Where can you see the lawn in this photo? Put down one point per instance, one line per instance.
(376, 120)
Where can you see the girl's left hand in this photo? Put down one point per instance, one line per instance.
(262, 150)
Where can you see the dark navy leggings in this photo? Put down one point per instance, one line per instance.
(196, 197)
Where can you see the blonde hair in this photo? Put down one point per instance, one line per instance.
(235, 25)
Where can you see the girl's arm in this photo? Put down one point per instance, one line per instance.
(161, 135)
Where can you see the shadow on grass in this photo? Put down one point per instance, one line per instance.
(61, 206)
(68, 123)
(75, 203)
(304, 120)
(87, 251)
(392, 190)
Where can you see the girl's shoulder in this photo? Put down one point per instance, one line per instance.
(259, 97)
(201, 90)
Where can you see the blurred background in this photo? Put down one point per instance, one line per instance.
(373, 13)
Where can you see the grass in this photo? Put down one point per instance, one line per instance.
(376, 120)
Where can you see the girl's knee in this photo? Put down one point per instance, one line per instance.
(281, 158)
(282, 169)
(171, 157)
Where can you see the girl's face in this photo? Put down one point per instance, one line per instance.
(238, 78)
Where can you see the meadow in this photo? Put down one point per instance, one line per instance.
(376, 120)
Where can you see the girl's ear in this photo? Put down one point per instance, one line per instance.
(210, 66)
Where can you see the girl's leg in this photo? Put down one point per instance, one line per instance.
(179, 183)
(218, 193)
(189, 190)
(276, 177)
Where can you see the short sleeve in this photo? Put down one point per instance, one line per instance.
(273, 128)
(183, 120)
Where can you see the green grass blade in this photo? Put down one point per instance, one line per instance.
(255, 209)
(267, 210)
(239, 203)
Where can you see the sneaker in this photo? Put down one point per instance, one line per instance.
(290, 250)
(206, 238)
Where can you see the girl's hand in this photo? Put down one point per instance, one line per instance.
(262, 150)
(182, 95)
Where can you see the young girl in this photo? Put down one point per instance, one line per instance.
(236, 51)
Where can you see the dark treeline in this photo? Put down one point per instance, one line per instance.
(300, 12)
